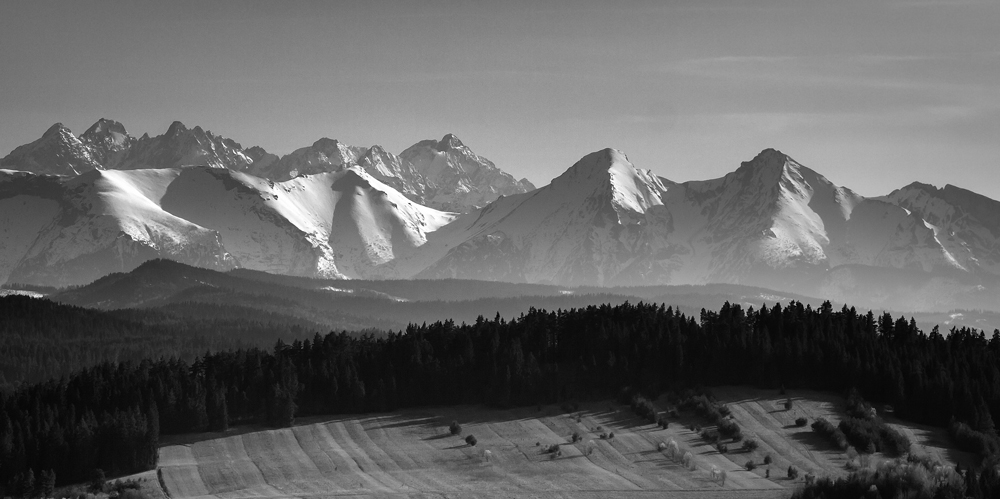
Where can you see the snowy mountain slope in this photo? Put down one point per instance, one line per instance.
(965, 224)
(71, 230)
(323, 156)
(457, 179)
(331, 156)
(584, 228)
(772, 222)
(344, 224)
(88, 226)
(56, 152)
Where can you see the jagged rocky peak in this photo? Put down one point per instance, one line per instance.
(769, 160)
(176, 128)
(56, 152)
(458, 179)
(449, 141)
(104, 127)
(55, 129)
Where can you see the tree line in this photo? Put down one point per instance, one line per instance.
(110, 416)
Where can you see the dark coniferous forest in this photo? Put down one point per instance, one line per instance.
(110, 416)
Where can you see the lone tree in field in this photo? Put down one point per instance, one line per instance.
(767, 459)
(455, 428)
(471, 440)
(793, 472)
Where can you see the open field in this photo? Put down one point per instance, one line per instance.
(412, 454)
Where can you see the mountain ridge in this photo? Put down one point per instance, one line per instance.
(363, 213)
(463, 182)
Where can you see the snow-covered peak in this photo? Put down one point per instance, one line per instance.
(608, 172)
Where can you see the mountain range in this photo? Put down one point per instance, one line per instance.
(444, 174)
(438, 210)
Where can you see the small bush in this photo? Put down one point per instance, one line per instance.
(768, 460)
(455, 428)
(611, 435)
(722, 448)
(471, 440)
(643, 408)
(801, 421)
(793, 472)
(662, 422)
(750, 466)
(750, 445)
(834, 434)
(709, 435)
(576, 437)
(728, 428)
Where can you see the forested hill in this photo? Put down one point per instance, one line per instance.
(110, 416)
(40, 339)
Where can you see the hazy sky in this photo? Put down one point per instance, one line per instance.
(872, 94)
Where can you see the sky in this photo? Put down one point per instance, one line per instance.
(872, 94)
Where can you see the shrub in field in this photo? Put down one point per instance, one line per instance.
(793, 472)
(576, 437)
(750, 466)
(874, 434)
(750, 445)
(834, 434)
(611, 435)
(768, 460)
(643, 408)
(801, 421)
(709, 435)
(788, 404)
(728, 428)
(471, 440)
(662, 422)
(455, 428)
(722, 448)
